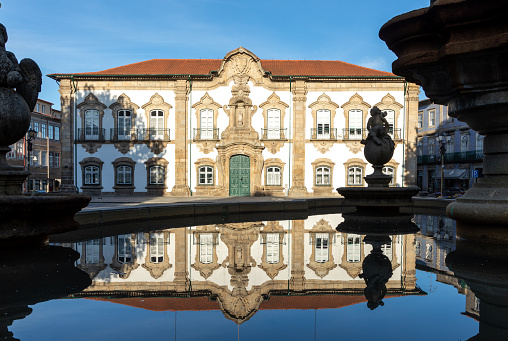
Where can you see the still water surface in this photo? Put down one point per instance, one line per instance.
(268, 280)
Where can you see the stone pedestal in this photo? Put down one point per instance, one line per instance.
(457, 51)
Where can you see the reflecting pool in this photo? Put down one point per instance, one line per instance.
(271, 280)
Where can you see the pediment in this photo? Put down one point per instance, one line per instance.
(241, 64)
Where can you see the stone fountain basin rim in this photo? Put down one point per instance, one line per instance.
(55, 202)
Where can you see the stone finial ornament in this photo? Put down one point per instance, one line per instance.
(20, 84)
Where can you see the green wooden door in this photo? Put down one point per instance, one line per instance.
(239, 175)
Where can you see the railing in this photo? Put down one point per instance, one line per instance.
(273, 134)
(91, 134)
(354, 133)
(323, 134)
(361, 133)
(155, 134)
(472, 155)
(206, 134)
(123, 134)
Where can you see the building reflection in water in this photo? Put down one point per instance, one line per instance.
(243, 267)
(435, 241)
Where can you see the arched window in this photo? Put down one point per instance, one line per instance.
(391, 172)
(92, 175)
(355, 176)
(323, 176)
(206, 175)
(124, 175)
(157, 175)
(156, 247)
(273, 176)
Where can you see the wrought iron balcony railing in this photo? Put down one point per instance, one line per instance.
(91, 134)
(472, 155)
(273, 134)
(155, 134)
(323, 134)
(123, 134)
(206, 134)
(354, 133)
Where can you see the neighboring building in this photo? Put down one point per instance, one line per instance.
(44, 163)
(463, 159)
(236, 126)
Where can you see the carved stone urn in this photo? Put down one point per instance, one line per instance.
(457, 51)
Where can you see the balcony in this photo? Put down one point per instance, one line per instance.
(469, 156)
(155, 134)
(206, 134)
(123, 134)
(91, 134)
(273, 134)
(323, 134)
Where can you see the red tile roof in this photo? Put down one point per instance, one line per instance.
(204, 303)
(320, 68)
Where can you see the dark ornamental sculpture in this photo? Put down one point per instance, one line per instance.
(379, 147)
(15, 105)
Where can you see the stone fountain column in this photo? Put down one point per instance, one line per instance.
(457, 51)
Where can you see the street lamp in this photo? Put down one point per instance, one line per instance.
(31, 134)
(443, 140)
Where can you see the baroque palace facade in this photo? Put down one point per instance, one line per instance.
(236, 126)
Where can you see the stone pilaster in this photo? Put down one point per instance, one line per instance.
(298, 169)
(297, 255)
(181, 187)
(412, 99)
(67, 136)
(409, 262)
(181, 274)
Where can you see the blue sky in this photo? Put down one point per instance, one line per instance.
(67, 36)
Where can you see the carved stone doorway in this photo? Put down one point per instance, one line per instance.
(239, 175)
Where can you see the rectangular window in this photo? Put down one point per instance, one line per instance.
(50, 162)
(156, 247)
(92, 251)
(323, 124)
(19, 150)
(57, 133)
(206, 124)
(273, 124)
(50, 132)
(38, 107)
(206, 248)
(43, 158)
(43, 130)
(272, 248)
(432, 118)
(12, 153)
(420, 120)
(353, 248)
(36, 128)
(355, 124)
(321, 249)
(323, 176)
(56, 160)
(273, 176)
(464, 141)
(124, 248)
(43, 109)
